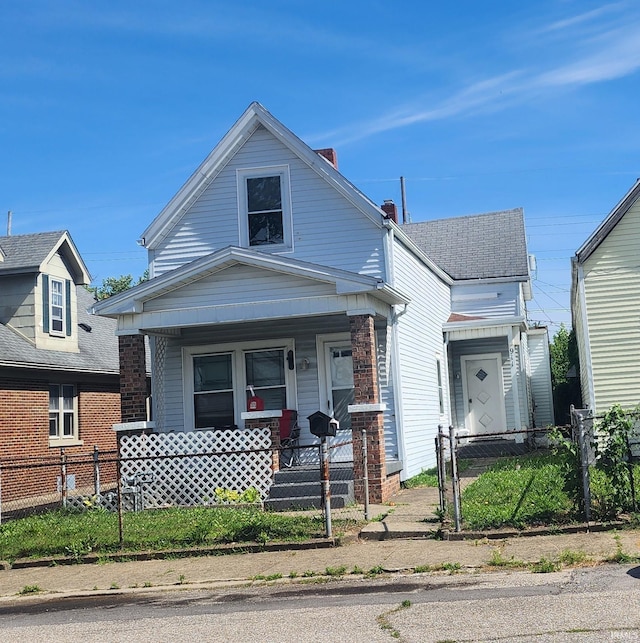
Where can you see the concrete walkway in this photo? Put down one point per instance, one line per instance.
(406, 547)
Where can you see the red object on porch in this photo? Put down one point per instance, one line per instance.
(255, 403)
(287, 422)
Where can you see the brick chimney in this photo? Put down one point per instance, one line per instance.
(390, 210)
(330, 154)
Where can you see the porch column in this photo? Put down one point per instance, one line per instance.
(366, 412)
(133, 378)
(271, 420)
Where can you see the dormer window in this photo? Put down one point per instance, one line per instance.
(56, 305)
(265, 210)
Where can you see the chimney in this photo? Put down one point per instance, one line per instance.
(330, 154)
(390, 210)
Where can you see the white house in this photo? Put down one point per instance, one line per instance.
(270, 270)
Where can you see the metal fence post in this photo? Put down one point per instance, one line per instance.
(584, 462)
(120, 503)
(455, 480)
(63, 477)
(442, 469)
(326, 486)
(365, 481)
(96, 471)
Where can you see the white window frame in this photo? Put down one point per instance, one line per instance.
(285, 197)
(53, 281)
(60, 439)
(238, 350)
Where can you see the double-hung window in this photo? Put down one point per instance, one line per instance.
(265, 210)
(56, 306)
(62, 413)
(220, 380)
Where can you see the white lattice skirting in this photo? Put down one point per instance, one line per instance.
(184, 469)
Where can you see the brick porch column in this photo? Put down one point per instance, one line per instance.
(133, 378)
(273, 423)
(366, 412)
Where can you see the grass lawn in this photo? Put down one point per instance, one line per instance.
(517, 492)
(65, 533)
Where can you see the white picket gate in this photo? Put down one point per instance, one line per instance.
(184, 469)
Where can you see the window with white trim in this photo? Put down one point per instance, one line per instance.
(265, 210)
(56, 306)
(219, 379)
(63, 424)
(440, 387)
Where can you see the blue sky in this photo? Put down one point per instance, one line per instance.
(107, 107)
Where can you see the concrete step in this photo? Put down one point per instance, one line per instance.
(303, 502)
(304, 489)
(312, 474)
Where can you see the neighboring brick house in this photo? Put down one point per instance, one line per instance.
(59, 366)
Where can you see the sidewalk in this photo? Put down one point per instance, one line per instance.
(403, 549)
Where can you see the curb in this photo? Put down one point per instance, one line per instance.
(222, 550)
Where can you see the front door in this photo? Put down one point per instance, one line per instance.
(484, 396)
(339, 373)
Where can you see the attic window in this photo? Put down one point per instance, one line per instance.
(264, 208)
(56, 306)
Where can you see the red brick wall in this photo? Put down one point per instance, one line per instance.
(133, 378)
(28, 465)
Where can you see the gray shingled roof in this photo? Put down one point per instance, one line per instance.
(98, 348)
(26, 252)
(479, 246)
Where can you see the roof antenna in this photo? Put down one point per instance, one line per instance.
(9, 216)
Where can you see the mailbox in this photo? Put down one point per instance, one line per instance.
(322, 425)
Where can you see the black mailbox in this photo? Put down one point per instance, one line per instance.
(322, 425)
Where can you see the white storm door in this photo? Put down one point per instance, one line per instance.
(484, 396)
(339, 374)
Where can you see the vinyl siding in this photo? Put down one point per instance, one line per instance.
(420, 343)
(541, 378)
(17, 303)
(493, 300)
(325, 224)
(612, 289)
(240, 284)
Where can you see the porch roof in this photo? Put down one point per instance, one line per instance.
(341, 291)
(475, 328)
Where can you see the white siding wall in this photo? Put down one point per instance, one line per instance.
(612, 286)
(420, 342)
(325, 225)
(541, 377)
(238, 285)
(493, 300)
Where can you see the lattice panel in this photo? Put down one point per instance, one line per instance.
(184, 469)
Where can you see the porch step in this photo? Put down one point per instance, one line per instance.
(300, 488)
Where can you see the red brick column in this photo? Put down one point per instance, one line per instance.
(133, 378)
(274, 426)
(365, 383)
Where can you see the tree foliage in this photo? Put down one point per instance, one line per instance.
(564, 357)
(115, 285)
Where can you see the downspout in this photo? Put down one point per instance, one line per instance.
(388, 241)
(586, 337)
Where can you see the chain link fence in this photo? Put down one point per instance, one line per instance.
(580, 473)
(205, 469)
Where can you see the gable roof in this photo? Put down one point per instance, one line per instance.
(132, 301)
(254, 116)
(98, 349)
(28, 253)
(480, 246)
(610, 222)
